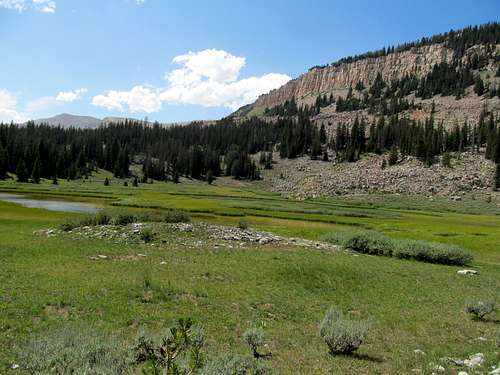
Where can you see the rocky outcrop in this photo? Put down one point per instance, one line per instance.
(334, 78)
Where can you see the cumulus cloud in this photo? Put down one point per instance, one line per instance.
(8, 108)
(71, 96)
(208, 78)
(44, 6)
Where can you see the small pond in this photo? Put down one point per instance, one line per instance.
(50, 204)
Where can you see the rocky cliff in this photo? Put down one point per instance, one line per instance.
(418, 60)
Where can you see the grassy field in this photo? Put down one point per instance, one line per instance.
(49, 282)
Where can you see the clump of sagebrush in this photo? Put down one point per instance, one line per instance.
(478, 309)
(229, 364)
(176, 216)
(147, 235)
(178, 351)
(342, 335)
(72, 350)
(431, 252)
(243, 224)
(375, 243)
(124, 217)
(254, 338)
(99, 218)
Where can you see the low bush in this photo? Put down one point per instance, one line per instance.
(342, 335)
(234, 364)
(123, 218)
(176, 216)
(478, 309)
(73, 350)
(254, 337)
(147, 235)
(100, 218)
(178, 351)
(374, 243)
(432, 252)
(243, 224)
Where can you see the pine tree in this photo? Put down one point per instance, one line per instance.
(3, 163)
(35, 174)
(54, 180)
(496, 179)
(209, 177)
(22, 171)
(136, 182)
(479, 86)
(106, 182)
(393, 156)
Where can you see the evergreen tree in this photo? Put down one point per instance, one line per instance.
(106, 182)
(136, 182)
(54, 180)
(393, 156)
(35, 174)
(496, 179)
(479, 86)
(4, 162)
(22, 171)
(209, 177)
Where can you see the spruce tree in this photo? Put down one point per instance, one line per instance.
(496, 179)
(54, 180)
(479, 86)
(35, 174)
(106, 182)
(393, 156)
(22, 171)
(3, 163)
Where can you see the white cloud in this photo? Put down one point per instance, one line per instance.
(8, 108)
(140, 2)
(208, 78)
(71, 96)
(44, 6)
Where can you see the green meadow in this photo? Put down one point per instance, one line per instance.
(50, 282)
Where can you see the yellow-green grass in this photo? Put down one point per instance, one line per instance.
(412, 305)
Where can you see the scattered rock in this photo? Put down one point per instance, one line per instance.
(467, 272)
(419, 351)
(474, 360)
(15, 366)
(495, 371)
(462, 373)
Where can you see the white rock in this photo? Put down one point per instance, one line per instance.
(462, 373)
(495, 371)
(439, 368)
(474, 360)
(419, 351)
(467, 272)
(14, 366)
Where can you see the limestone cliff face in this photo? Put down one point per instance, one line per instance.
(333, 78)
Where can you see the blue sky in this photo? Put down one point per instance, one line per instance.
(187, 60)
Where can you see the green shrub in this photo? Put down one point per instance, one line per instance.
(342, 335)
(479, 308)
(431, 252)
(99, 218)
(178, 351)
(176, 216)
(243, 224)
(497, 339)
(147, 235)
(234, 364)
(73, 350)
(254, 337)
(370, 242)
(123, 218)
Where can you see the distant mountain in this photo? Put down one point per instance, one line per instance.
(66, 120)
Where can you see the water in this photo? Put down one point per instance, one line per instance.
(49, 204)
